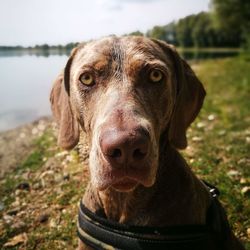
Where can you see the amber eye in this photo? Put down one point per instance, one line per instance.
(155, 75)
(86, 79)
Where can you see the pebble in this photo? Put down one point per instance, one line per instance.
(18, 225)
(211, 117)
(22, 135)
(248, 140)
(37, 185)
(34, 131)
(52, 223)
(16, 203)
(7, 218)
(197, 139)
(201, 125)
(243, 181)
(245, 190)
(233, 173)
(222, 132)
(48, 172)
(248, 232)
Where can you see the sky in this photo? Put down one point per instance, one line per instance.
(31, 22)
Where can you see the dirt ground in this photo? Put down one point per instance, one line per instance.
(16, 144)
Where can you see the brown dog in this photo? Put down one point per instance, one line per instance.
(134, 98)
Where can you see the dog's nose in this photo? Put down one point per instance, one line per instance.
(125, 147)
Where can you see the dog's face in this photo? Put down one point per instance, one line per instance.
(125, 93)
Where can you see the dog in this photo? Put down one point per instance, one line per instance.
(134, 99)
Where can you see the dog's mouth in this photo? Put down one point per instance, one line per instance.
(124, 180)
(125, 185)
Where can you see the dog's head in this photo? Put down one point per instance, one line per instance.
(125, 93)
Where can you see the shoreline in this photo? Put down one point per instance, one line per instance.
(16, 143)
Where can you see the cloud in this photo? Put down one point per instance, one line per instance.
(117, 5)
(110, 5)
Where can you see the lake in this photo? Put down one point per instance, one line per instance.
(26, 80)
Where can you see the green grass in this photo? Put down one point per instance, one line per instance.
(222, 155)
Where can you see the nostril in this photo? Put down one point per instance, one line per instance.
(116, 153)
(138, 154)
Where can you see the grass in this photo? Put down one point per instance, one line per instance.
(219, 146)
(222, 151)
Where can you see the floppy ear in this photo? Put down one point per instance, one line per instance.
(190, 94)
(68, 135)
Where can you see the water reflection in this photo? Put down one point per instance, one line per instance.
(25, 86)
(38, 53)
(203, 55)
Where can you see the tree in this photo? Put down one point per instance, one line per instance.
(136, 33)
(158, 32)
(233, 16)
(184, 31)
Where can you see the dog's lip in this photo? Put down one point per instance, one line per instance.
(125, 185)
(121, 183)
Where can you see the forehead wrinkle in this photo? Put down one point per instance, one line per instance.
(117, 53)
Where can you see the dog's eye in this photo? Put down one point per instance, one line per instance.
(155, 75)
(86, 79)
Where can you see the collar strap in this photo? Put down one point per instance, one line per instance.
(100, 233)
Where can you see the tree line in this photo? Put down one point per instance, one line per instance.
(196, 31)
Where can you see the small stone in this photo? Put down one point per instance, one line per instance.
(201, 125)
(22, 135)
(222, 132)
(211, 117)
(21, 238)
(18, 192)
(48, 172)
(34, 131)
(58, 178)
(233, 173)
(248, 232)
(63, 153)
(23, 186)
(7, 218)
(197, 139)
(243, 181)
(245, 190)
(52, 223)
(43, 217)
(41, 126)
(37, 186)
(16, 203)
(248, 140)
(18, 225)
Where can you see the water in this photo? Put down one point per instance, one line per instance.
(26, 80)
(25, 86)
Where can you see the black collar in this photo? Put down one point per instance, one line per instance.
(100, 233)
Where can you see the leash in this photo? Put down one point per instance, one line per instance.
(102, 234)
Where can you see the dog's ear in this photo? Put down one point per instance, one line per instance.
(189, 96)
(68, 135)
